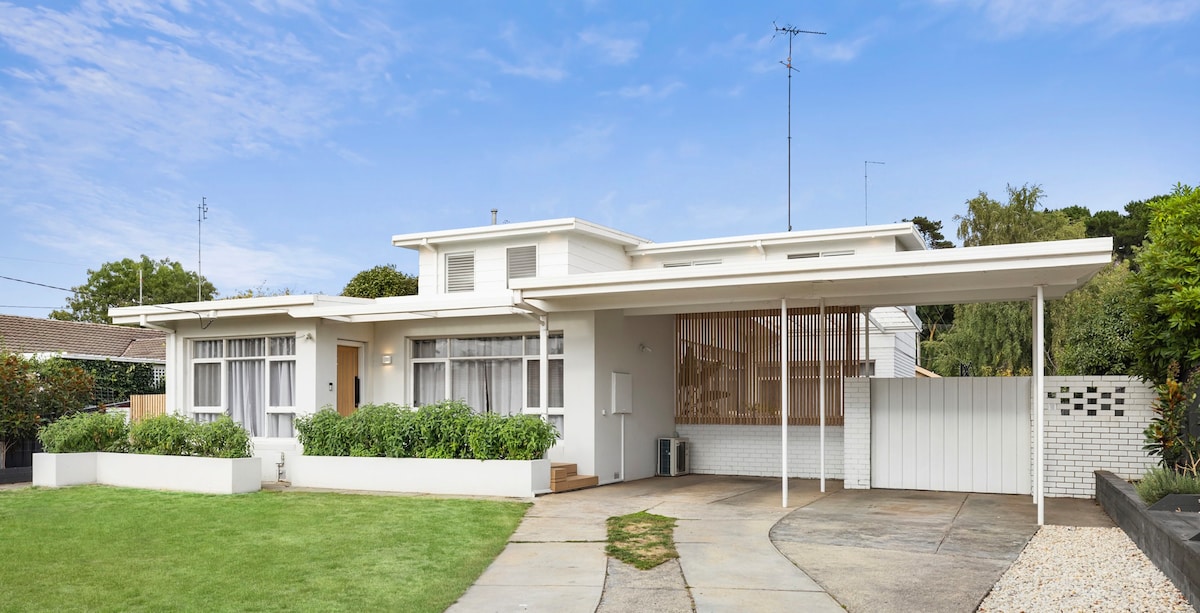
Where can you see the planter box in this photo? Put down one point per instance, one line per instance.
(509, 478)
(1164, 536)
(158, 472)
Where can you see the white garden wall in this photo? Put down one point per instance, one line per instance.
(509, 478)
(754, 450)
(155, 472)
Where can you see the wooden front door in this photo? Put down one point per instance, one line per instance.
(347, 379)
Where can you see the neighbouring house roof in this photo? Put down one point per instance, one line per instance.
(30, 335)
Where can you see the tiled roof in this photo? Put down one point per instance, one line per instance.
(32, 335)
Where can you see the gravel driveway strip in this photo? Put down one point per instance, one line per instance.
(1083, 569)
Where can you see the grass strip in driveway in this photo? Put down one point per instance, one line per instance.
(642, 539)
(95, 548)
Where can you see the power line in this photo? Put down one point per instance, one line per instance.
(203, 326)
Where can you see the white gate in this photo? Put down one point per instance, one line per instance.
(955, 434)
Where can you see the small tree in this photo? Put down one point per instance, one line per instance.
(115, 284)
(34, 393)
(1167, 287)
(380, 281)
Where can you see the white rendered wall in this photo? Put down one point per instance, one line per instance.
(1079, 443)
(754, 450)
(618, 343)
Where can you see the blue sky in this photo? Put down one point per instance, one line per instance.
(318, 130)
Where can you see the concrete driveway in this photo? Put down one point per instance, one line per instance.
(864, 550)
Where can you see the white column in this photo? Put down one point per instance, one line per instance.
(784, 333)
(821, 390)
(544, 365)
(1039, 392)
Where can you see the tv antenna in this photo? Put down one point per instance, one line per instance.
(865, 162)
(791, 31)
(201, 215)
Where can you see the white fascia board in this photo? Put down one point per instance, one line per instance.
(510, 230)
(1092, 254)
(408, 307)
(234, 307)
(906, 233)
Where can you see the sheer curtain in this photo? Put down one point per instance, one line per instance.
(429, 382)
(488, 386)
(207, 386)
(245, 395)
(283, 383)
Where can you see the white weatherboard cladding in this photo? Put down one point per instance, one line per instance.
(952, 434)
(586, 254)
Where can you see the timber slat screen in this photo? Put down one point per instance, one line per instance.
(142, 406)
(727, 365)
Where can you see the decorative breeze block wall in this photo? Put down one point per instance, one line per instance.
(1094, 423)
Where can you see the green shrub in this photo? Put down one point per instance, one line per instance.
(223, 438)
(443, 430)
(526, 437)
(162, 435)
(84, 432)
(323, 433)
(1159, 482)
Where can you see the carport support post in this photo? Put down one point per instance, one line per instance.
(544, 368)
(1039, 392)
(784, 333)
(821, 392)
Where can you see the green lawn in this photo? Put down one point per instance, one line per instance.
(95, 548)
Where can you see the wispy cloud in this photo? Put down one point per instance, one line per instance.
(613, 49)
(647, 91)
(1012, 17)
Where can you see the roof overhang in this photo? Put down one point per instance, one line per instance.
(946, 276)
(510, 230)
(905, 234)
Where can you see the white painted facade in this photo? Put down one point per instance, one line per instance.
(613, 297)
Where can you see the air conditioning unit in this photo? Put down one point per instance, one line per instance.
(672, 457)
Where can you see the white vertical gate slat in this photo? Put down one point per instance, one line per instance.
(954, 434)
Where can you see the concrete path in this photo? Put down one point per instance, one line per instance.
(555, 560)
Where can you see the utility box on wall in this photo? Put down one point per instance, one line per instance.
(672, 457)
(622, 393)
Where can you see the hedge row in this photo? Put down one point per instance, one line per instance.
(444, 430)
(161, 435)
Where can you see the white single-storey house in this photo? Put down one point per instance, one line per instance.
(615, 339)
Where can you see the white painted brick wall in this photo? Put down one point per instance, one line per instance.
(754, 450)
(856, 460)
(1109, 438)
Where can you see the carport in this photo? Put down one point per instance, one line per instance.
(779, 290)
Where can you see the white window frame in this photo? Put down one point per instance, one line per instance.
(448, 360)
(207, 413)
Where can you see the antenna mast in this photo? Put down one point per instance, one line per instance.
(865, 162)
(791, 31)
(201, 215)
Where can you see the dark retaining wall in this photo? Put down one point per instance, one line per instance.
(1161, 535)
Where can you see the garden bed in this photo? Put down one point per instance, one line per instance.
(147, 471)
(1164, 536)
(509, 478)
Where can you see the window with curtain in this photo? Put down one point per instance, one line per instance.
(496, 374)
(253, 380)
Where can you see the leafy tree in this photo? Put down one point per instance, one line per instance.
(1167, 288)
(933, 317)
(116, 284)
(1093, 330)
(380, 281)
(34, 393)
(261, 291)
(931, 231)
(994, 338)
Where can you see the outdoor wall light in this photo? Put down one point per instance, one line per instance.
(387, 358)
(644, 348)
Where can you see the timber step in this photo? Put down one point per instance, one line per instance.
(565, 477)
